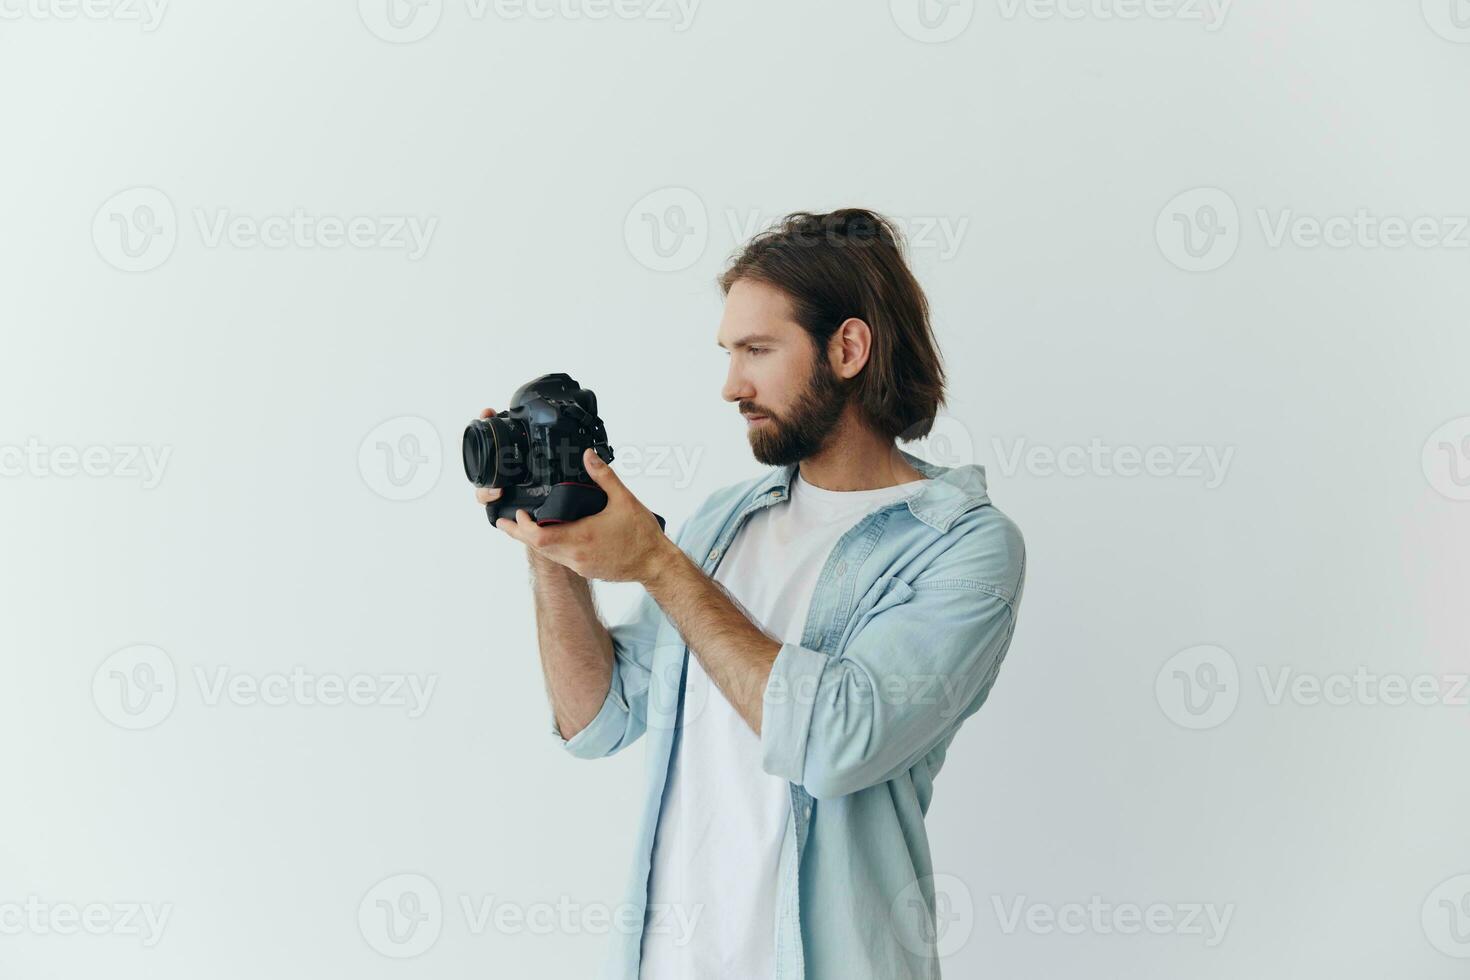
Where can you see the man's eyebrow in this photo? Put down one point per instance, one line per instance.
(755, 338)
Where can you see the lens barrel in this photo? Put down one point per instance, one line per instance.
(496, 452)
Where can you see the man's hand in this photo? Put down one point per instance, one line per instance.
(487, 495)
(621, 543)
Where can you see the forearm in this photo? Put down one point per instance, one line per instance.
(576, 648)
(733, 651)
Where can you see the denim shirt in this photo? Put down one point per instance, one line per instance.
(908, 625)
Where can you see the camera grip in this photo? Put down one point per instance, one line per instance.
(565, 503)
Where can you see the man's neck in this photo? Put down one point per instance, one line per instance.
(857, 458)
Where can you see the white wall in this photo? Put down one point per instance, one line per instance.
(1037, 158)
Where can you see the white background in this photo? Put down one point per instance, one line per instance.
(547, 150)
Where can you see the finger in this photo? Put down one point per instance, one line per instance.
(487, 495)
(486, 413)
(602, 474)
(509, 527)
(527, 529)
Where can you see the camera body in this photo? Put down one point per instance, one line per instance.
(533, 452)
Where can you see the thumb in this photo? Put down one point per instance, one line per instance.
(601, 473)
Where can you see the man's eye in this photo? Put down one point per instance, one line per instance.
(757, 350)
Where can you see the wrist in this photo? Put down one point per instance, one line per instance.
(665, 559)
(543, 567)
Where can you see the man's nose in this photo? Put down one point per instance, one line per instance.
(736, 387)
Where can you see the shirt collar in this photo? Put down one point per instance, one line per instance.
(952, 490)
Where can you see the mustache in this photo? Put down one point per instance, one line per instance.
(748, 409)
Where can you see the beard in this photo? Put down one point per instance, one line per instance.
(804, 429)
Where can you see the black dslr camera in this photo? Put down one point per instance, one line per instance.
(533, 452)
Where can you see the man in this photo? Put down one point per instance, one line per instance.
(808, 645)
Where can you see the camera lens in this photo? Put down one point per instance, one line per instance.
(496, 451)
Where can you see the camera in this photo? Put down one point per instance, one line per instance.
(533, 452)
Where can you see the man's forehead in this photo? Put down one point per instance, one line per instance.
(755, 313)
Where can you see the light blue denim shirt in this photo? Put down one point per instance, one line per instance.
(907, 628)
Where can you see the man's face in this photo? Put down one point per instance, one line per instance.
(789, 395)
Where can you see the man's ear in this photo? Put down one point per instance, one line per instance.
(849, 347)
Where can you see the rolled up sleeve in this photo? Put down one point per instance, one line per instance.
(623, 717)
(910, 674)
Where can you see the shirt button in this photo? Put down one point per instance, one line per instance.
(714, 554)
(841, 569)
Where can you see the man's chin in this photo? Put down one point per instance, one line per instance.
(763, 451)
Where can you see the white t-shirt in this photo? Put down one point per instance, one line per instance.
(712, 889)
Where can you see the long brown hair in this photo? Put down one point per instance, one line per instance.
(850, 263)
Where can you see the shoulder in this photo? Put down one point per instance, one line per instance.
(983, 549)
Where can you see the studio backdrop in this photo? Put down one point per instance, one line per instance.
(1199, 269)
